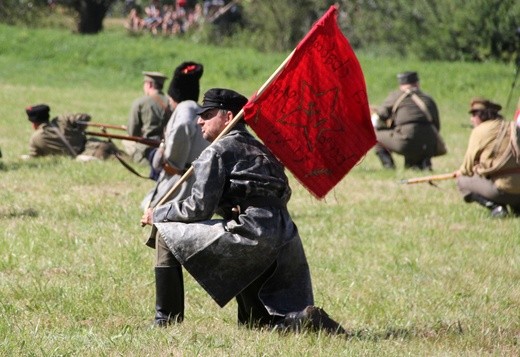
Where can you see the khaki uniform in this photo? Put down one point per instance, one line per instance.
(478, 171)
(47, 141)
(147, 120)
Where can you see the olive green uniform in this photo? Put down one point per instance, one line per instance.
(147, 119)
(411, 133)
(46, 140)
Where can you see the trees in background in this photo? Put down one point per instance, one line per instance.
(88, 14)
(473, 30)
(470, 30)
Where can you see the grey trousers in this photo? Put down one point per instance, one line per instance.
(487, 189)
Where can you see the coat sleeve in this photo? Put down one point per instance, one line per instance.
(473, 152)
(210, 179)
(179, 139)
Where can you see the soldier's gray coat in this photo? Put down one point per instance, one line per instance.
(226, 255)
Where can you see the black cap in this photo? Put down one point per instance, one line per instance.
(223, 99)
(408, 77)
(185, 82)
(38, 113)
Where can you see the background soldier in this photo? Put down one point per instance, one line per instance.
(490, 173)
(148, 117)
(183, 141)
(182, 145)
(254, 253)
(61, 136)
(408, 123)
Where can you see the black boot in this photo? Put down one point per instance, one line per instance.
(497, 211)
(311, 318)
(169, 298)
(386, 158)
(426, 164)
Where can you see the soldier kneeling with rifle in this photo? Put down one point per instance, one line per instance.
(490, 172)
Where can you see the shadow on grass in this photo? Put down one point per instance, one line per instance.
(440, 329)
(30, 164)
(17, 213)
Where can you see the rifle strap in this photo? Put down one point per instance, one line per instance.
(422, 106)
(57, 130)
(127, 166)
(405, 94)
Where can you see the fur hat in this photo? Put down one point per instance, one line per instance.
(185, 82)
(38, 113)
(222, 99)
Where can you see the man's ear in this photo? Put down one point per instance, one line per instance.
(229, 117)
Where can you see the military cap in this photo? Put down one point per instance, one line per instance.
(185, 82)
(38, 113)
(156, 77)
(223, 99)
(479, 103)
(408, 77)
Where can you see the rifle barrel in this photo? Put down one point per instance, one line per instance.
(429, 178)
(149, 142)
(104, 126)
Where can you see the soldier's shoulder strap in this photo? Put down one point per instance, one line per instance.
(405, 94)
(62, 137)
(420, 103)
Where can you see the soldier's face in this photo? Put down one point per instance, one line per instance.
(475, 119)
(212, 122)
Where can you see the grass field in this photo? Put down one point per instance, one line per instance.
(412, 270)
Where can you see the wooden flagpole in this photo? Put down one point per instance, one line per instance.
(226, 130)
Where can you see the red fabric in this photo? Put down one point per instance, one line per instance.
(314, 116)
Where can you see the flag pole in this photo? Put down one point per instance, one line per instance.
(226, 130)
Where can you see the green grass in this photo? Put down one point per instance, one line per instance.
(411, 269)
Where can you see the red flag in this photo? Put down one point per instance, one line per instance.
(314, 116)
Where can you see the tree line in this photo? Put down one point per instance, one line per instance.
(468, 30)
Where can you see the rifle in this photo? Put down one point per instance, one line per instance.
(102, 126)
(429, 179)
(145, 141)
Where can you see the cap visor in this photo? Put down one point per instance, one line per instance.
(204, 109)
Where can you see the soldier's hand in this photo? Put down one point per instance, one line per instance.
(147, 218)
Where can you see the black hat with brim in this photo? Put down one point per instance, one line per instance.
(408, 77)
(221, 98)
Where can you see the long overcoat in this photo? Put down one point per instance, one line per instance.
(226, 255)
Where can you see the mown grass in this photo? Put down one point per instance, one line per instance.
(412, 270)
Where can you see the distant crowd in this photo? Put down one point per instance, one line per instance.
(172, 19)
